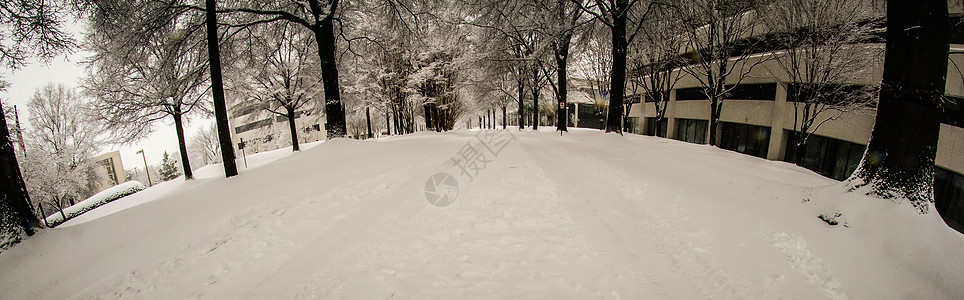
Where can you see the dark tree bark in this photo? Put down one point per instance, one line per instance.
(388, 123)
(15, 211)
(368, 119)
(535, 105)
(618, 78)
(324, 30)
(292, 129)
(504, 117)
(428, 116)
(562, 57)
(182, 145)
(899, 161)
(522, 114)
(217, 90)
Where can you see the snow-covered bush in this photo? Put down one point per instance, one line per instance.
(101, 198)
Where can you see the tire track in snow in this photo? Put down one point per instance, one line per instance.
(614, 207)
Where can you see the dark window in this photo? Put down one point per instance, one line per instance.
(316, 127)
(693, 131)
(108, 164)
(632, 99)
(652, 128)
(829, 157)
(632, 125)
(953, 111)
(764, 91)
(252, 126)
(747, 139)
(949, 197)
(280, 118)
(244, 110)
(690, 94)
(834, 94)
(590, 116)
(647, 97)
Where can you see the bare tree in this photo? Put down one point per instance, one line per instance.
(655, 61)
(899, 160)
(825, 50)
(285, 81)
(625, 19)
(59, 172)
(721, 39)
(31, 28)
(205, 146)
(140, 84)
(318, 17)
(16, 214)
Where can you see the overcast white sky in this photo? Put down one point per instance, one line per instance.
(67, 70)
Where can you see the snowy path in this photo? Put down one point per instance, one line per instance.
(584, 216)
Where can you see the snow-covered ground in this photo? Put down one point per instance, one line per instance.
(103, 197)
(582, 216)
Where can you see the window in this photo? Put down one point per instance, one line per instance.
(632, 125)
(829, 157)
(765, 91)
(280, 118)
(953, 111)
(949, 197)
(695, 93)
(252, 126)
(834, 94)
(652, 128)
(693, 131)
(590, 116)
(244, 110)
(108, 164)
(747, 139)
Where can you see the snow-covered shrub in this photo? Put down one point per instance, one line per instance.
(95, 201)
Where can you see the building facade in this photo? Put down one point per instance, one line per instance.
(760, 118)
(110, 168)
(261, 130)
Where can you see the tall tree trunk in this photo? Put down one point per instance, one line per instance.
(428, 116)
(522, 114)
(504, 117)
(325, 38)
(388, 123)
(182, 145)
(292, 129)
(217, 91)
(398, 124)
(618, 78)
(535, 105)
(716, 105)
(899, 161)
(16, 215)
(368, 119)
(562, 57)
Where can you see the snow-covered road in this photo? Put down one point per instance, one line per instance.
(582, 216)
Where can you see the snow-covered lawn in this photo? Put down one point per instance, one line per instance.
(583, 216)
(103, 197)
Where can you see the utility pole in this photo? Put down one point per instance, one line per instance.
(146, 170)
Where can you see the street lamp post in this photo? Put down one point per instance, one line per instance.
(146, 170)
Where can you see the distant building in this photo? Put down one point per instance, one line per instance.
(262, 130)
(111, 169)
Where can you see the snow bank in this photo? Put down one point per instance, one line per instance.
(103, 197)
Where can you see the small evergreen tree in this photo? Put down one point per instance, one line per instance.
(168, 168)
